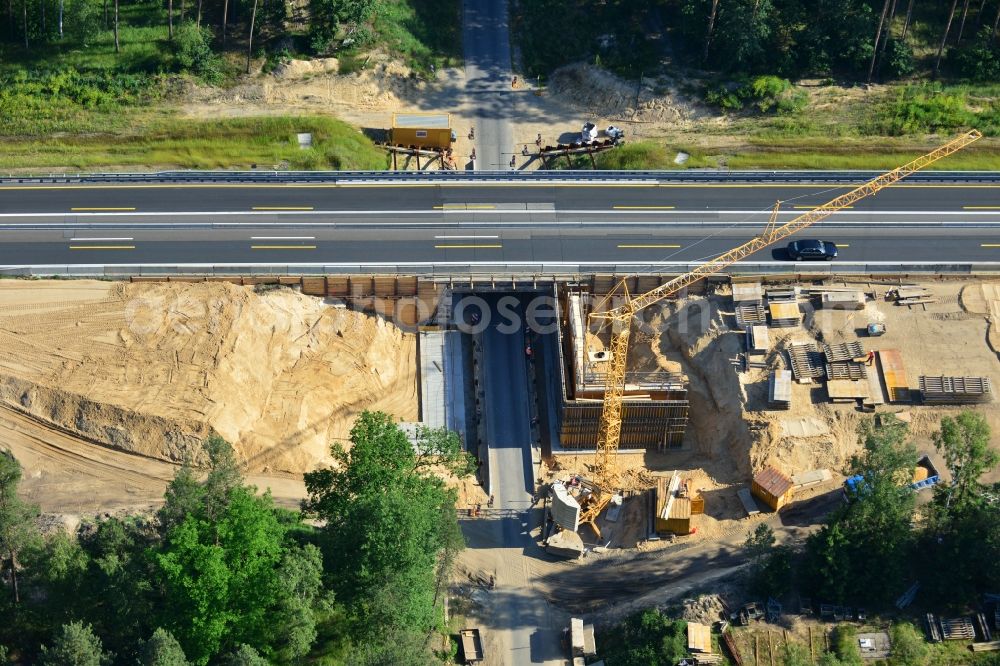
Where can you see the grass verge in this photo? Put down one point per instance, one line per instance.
(800, 154)
(268, 142)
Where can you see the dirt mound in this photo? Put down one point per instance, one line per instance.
(705, 609)
(297, 69)
(153, 368)
(122, 429)
(601, 93)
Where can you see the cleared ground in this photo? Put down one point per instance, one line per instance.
(733, 432)
(105, 387)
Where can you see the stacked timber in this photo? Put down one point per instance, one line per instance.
(758, 340)
(911, 295)
(784, 314)
(944, 390)
(890, 363)
(779, 389)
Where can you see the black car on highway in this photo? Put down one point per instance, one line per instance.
(812, 250)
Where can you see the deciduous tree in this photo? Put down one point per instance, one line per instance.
(17, 520)
(382, 502)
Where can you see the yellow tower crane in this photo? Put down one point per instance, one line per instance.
(606, 471)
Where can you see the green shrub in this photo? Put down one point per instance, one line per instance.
(764, 93)
(923, 109)
(908, 646)
(649, 638)
(844, 640)
(193, 53)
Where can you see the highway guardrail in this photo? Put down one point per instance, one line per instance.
(487, 271)
(444, 177)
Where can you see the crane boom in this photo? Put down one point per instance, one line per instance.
(609, 434)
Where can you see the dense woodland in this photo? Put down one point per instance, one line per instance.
(220, 575)
(856, 40)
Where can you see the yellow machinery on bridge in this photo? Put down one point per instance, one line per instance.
(606, 472)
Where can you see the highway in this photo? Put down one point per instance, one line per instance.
(486, 42)
(465, 225)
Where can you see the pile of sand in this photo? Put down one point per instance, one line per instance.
(599, 92)
(297, 69)
(153, 368)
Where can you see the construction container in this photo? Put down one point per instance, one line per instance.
(772, 487)
(422, 130)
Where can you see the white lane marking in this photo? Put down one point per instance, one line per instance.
(464, 237)
(84, 240)
(282, 238)
(596, 264)
(558, 211)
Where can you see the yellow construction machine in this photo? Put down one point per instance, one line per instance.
(606, 473)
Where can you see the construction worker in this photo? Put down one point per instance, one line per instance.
(490, 503)
(513, 161)
(524, 151)
(538, 140)
(513, 82)
(871, 358)
(472, 133)
(472, 156)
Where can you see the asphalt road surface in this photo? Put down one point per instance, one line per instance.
(464, 225)
(523, 621)
(486, 41)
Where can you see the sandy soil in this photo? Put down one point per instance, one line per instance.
(110, 384)
(369, 98)
(732, 433)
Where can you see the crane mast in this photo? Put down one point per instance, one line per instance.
(609, 434)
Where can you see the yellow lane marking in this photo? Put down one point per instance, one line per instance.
(989, 245)
(815, 207)
(80, 210)
(643, 207)
(468, 247)
(282, 247)
(282, 207)
(981, 207)
(648, 245)
(466, 207)
(840, 245)
(102, 247)
(165, 186)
